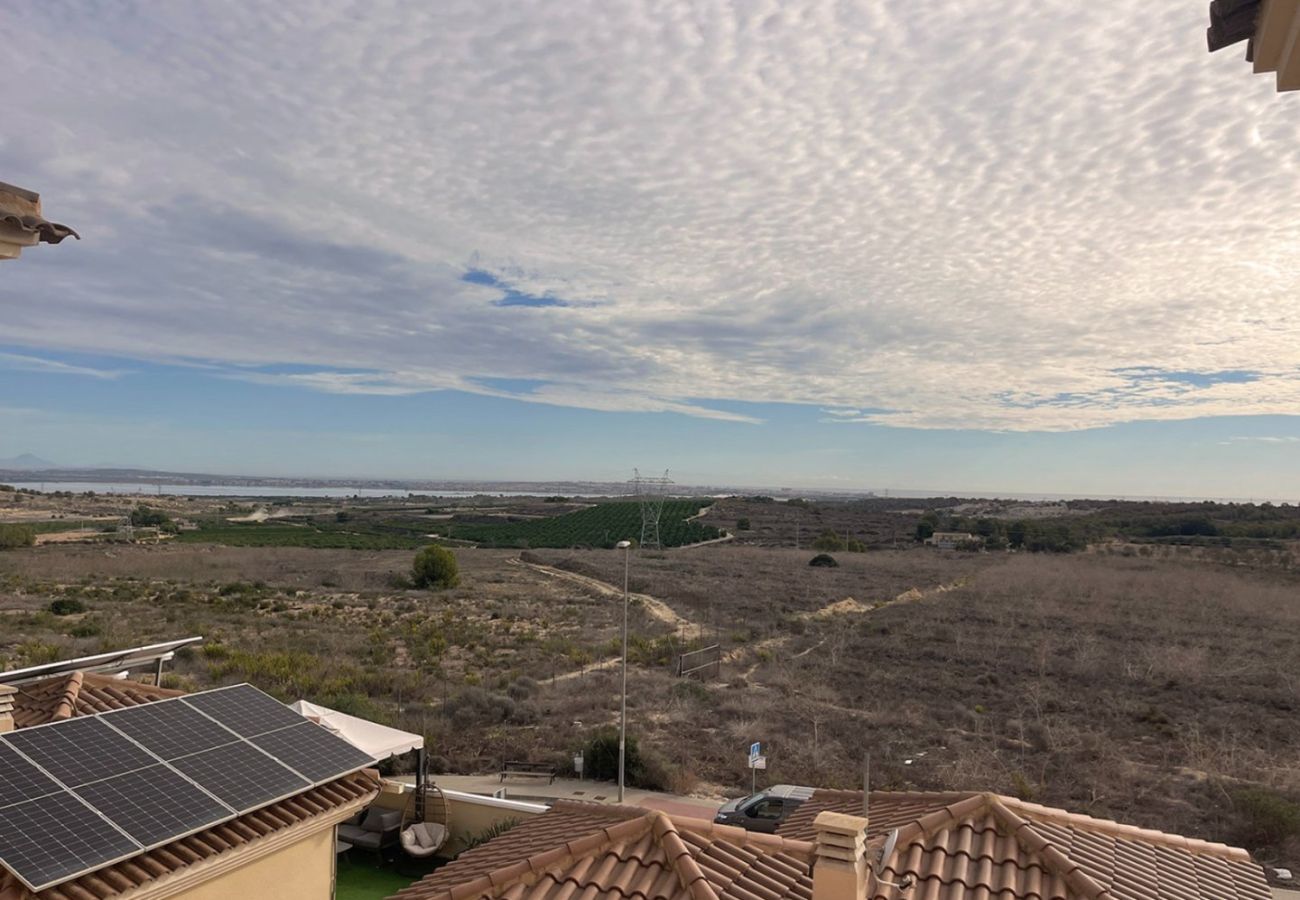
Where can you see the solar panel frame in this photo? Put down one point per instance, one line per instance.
(21, 780)
(243, 709)
(140, 803)
(81, 750)
(230, 772)
(309, 749)
(85, 841)
(169, 729)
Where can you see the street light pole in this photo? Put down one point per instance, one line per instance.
(626, 547)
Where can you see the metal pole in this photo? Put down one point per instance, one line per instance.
(622, 719)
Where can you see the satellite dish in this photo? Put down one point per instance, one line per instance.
(885, 852)
(888, 850)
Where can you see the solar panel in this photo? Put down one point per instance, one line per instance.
(312, 751)
(77, 751)
(82, 793)
(241, 775)
(244, 710)
(54, 838)
(170, 729)
(155, 805)
(20, 780)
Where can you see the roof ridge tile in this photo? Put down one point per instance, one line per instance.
(1122, 830)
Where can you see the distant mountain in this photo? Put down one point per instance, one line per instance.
(27, 461)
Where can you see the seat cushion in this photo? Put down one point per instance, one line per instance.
(379, 820)
(429, 835)
(350, 833)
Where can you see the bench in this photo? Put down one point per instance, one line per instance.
(516, 768)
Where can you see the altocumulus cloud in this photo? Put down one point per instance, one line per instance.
(1000, 214)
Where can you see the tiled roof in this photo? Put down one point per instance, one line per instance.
(206, 845)
(79, 694)
(888, 810)
(22, 208)
(987, 846)
(584, 850)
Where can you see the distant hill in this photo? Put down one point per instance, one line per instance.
(27, 461)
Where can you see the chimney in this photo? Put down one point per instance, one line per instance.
(7, 694)
(841, 870)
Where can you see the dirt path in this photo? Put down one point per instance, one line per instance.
(655, 607)
(586, 670)
(846, 607)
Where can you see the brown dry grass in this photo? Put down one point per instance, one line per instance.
(1146, 690)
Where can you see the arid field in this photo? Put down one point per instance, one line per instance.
(1159, 687)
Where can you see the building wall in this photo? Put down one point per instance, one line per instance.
(471, 816)
(301, 871)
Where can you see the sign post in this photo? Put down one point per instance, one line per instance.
(756, 761)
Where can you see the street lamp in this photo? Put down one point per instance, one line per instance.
(626, 547)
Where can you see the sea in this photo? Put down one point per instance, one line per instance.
(239, 490)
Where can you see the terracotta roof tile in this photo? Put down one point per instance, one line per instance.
(958, 846)
(22, 208)
(581, 851)
(888, 809)
(79, 694)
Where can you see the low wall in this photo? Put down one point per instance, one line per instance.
(473, 814)
(470, 815)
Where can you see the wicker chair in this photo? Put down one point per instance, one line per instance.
(426, 824)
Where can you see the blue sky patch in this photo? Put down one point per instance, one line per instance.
(511, 296)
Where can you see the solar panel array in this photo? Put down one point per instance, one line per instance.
(84, 793)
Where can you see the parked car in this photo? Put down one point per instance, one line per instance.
(763, 811)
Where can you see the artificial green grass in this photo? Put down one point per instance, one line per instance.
(362, 880)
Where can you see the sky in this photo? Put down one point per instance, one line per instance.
(1007, 245)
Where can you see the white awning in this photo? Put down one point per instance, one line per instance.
(379, 741)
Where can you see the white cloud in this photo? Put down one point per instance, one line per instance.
(940, 221)
(1262, 439)
(20, 362)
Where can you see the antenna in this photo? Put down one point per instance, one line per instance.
(866, 785)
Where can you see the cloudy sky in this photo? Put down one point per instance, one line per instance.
(1020, 245)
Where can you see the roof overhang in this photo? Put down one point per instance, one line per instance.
(1272, 30)
(21, 222)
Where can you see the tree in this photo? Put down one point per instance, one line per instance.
(147, 517)
(12, 536)
(742, 524)
(924, 531)
(435, 568)
(1016, 534)
(828, 540)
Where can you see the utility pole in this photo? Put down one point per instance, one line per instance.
(626, 546)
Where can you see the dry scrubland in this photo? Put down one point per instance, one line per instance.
(1162, 692)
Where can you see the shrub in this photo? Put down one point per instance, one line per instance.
(823, 561)
(12, 536)
(147, 517)
(477, 706)
(435, 568)
(742, 524)
(495, 830)
(1267, 818)
(67, 606)
(641, 770)
(86, 628)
